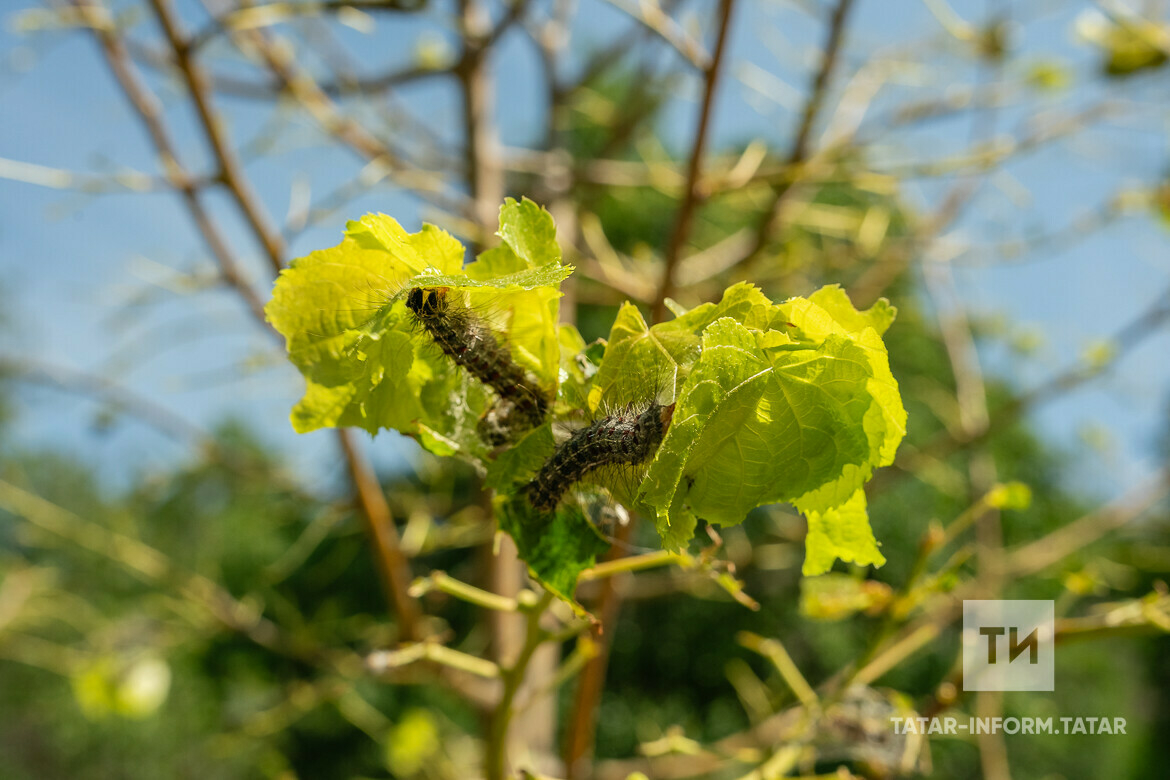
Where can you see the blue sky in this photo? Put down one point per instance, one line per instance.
(71, 265)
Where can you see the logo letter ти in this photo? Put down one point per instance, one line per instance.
(1031, 643)
(994, 664)
(992, 632)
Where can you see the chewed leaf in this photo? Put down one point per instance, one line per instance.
(639, 360)
(366, 361)
(556, 546)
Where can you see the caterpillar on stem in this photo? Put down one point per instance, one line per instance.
(471, 344)
(625, 438)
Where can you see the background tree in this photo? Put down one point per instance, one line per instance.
(219, 616)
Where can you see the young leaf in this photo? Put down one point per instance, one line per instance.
(557, 547)
(793, 402)
(638, 356)
(760, 420)
(364, 359)
(840, 532)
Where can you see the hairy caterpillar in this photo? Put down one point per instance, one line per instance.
(470, 342)
(624, 438)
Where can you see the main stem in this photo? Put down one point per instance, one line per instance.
(496, 756)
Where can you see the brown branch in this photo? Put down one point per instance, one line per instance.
(392, 562)
(148, 109)
(146, 106)
(280, 58)
(582, 726)
(368, 86)
(1124, 341)
(691, 194)
(229, 167)
(799, 152)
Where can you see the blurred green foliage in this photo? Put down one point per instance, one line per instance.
(76, 622)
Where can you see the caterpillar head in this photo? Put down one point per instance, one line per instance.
(428, 302)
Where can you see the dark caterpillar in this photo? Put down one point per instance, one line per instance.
(470, 342)
(625, 438)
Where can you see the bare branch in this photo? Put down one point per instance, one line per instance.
(390, 558)
(395, 568)
(147, 107)
(659, 21)
(818, 93)
(691, 194)
(1071, 538)
(229, 167)
(266, 14)
(145, 409)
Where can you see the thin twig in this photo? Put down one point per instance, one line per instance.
(1129, 337)
(393, 565)
(769, 223)
(691, 194)
(579, 732)
(252, 16)
(495, 756)
(151, 565)
(165, 421)
(224, 84)
(1075, 536)
(147, 107)
(213, 129)
(660, 22)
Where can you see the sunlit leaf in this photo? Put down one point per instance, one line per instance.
(366, 364)
(791, 402)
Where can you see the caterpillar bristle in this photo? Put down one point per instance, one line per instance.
(623, 438)
(470, 343)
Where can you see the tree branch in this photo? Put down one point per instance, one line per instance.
(392, 563)
(229, 167)
(798, 154)
(146, 106)
(691, 194)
